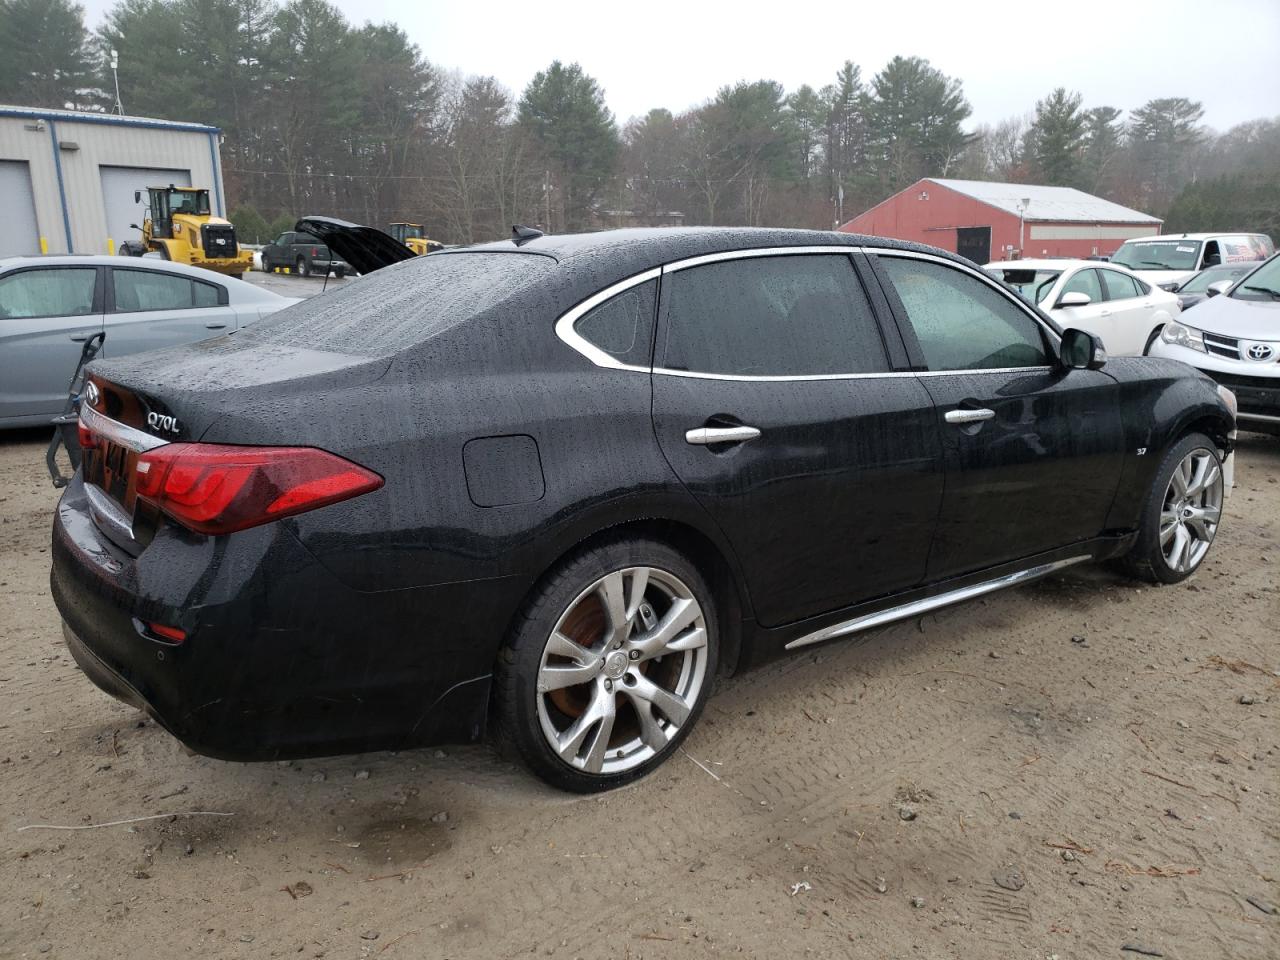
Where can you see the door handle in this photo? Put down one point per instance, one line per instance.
(1105, 313)
(968, 416)
(705, 435)
(79, 337)
(214, 326)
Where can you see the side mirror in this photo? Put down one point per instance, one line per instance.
(1081, 351)
(134, 226)
(1074, 299)
(1217, 287)
(137, 196)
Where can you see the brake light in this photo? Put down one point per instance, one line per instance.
(212, 488)
(172, 634)
(315, 252)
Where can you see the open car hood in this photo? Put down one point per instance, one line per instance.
(366, 248)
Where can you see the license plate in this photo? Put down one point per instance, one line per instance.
(113, 467)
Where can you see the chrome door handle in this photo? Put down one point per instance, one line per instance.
(705, 435)
(79, 337)
(968, 416)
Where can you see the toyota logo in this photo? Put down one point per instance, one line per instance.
(1260, 352)
(91, 393)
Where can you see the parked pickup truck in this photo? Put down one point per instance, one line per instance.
(303, 254)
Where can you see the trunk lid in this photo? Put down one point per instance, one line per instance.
(365, 248)
(226, 390)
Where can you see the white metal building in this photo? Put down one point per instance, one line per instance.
(67, 179)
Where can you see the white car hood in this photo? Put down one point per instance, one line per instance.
(1242, 319)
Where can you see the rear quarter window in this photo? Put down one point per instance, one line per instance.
(398, 306)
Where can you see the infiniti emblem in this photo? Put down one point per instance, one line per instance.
(91, 394)
(1260, 352)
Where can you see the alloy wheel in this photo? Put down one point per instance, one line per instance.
(1191, 511)
(622, 671)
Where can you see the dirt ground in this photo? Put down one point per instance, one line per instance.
(1066, 770)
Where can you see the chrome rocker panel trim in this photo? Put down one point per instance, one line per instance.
(917, 607)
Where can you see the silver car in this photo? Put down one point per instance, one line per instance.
(49, 306)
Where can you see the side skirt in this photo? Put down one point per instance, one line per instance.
(937, 601)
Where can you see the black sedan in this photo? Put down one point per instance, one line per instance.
(1196, 290)
(551, 488)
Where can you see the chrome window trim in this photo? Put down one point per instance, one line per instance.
(570, 337)
(917, 607)
(119, 433)
(575, 340)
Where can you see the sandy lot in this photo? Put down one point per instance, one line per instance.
(1090, 765)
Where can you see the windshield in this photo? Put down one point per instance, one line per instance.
(1158, 254)
(1200, 282)
(194, 202)
(1262, 284)
(1031, 285)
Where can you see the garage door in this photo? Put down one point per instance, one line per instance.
(118, 185)
(20, 235)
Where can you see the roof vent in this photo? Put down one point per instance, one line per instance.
(924, 194)
(521, 235)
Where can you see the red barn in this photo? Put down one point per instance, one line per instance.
(1004, 221)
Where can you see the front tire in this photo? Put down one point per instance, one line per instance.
(608, 667)
(1181, 515)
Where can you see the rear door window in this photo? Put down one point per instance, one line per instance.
(143, 290)
(1118, 286)
(961, 323)
(778, 316)
(57, 292)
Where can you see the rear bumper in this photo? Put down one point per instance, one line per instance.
(281, 658)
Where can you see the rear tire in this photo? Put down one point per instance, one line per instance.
(608, 666)
(1181, 515)
(304, 267)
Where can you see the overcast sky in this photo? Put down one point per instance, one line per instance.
(675, 55)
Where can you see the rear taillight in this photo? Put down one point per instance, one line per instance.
(211, 488)
(88, 439)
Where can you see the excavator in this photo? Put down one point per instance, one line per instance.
(180, 227)
(413, 237)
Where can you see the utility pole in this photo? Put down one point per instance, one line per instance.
(115, 66)
(1022, 213)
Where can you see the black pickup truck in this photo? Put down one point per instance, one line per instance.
(303, 254)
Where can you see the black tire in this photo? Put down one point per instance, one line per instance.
(265, 264)
(339, 273)
(1146, 560)
(304, 266)
(518, 722)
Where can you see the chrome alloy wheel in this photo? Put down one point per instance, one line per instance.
(622, 670)
(1191, 511)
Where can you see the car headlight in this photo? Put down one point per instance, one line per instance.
(1229, 399)
(1181, 335)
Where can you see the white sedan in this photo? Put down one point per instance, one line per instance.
(1106, 300)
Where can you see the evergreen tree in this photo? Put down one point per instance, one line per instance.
(1164, 134)
(563, 110)
(44, 54)
(1102, 144)
(915, 113)
(1056, 139)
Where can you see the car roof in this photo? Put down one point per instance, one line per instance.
(1191, 236)
(241, 290)
(1040, 264)
(634, 250)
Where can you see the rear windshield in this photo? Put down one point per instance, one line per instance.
(1033, 285)
(398, 306)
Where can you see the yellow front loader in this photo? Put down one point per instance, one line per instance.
(412, 236)
(180, 227)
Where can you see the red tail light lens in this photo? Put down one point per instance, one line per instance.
(212, 488)
(88, 439)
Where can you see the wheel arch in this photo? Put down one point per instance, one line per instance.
(712, 558)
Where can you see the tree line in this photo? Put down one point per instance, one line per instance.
(322, 116)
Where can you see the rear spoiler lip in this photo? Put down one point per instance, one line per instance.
(365, 248)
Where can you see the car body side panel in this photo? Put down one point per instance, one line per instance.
(1159, 399)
